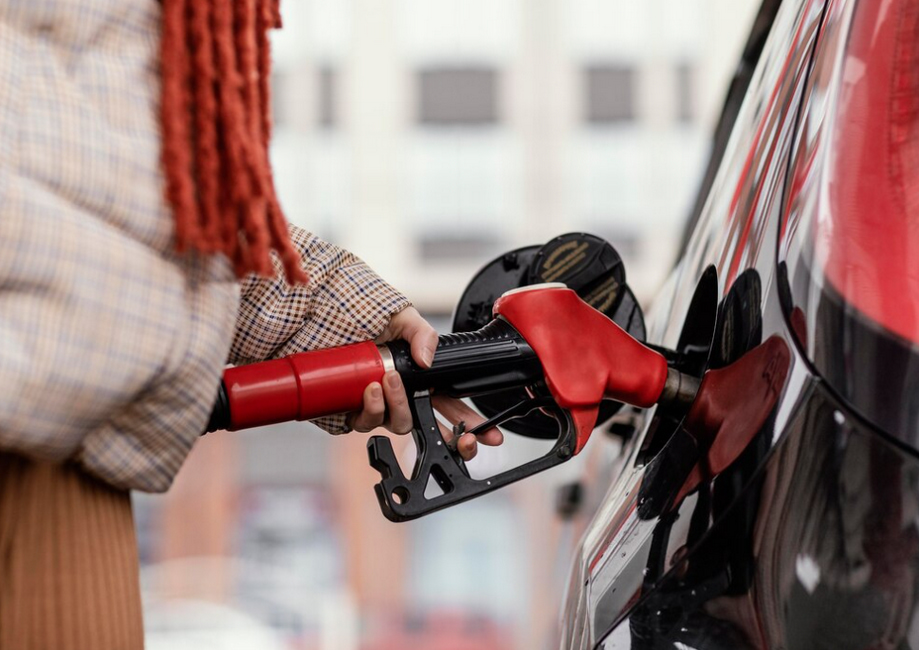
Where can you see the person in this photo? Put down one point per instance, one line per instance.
(142, 248)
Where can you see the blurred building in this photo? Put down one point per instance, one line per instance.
(428, 136)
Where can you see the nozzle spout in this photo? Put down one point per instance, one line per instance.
(680, 391)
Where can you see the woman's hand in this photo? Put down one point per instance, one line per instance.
(387, 405)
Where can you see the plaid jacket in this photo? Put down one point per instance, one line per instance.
(111, 345)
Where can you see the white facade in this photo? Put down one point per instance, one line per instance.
(428, 202)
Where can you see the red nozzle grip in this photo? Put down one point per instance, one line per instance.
(302, 386)
(585, 355)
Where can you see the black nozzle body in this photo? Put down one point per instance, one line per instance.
(471, 363)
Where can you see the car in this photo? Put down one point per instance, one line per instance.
(782, 512)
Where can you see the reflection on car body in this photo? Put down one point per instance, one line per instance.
(781, 511)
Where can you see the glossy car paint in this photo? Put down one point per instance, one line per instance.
(849, 255)
(865, 227)
(781, 512)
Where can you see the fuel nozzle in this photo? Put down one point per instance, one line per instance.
(564, 355)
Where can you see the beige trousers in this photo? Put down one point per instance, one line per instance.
(68, 561)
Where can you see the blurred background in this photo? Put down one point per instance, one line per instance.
(428, 136)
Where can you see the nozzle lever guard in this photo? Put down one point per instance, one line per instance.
(402, 498)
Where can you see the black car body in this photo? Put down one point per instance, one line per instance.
(793, 521)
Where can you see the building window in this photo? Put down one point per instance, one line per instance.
(327, 97)
(457, 96)
(450, 248)
(610, 94)
(304, 97)
(684, 94)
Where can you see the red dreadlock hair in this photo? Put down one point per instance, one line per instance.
(216, 127)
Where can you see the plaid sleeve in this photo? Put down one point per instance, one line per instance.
(343, 302)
